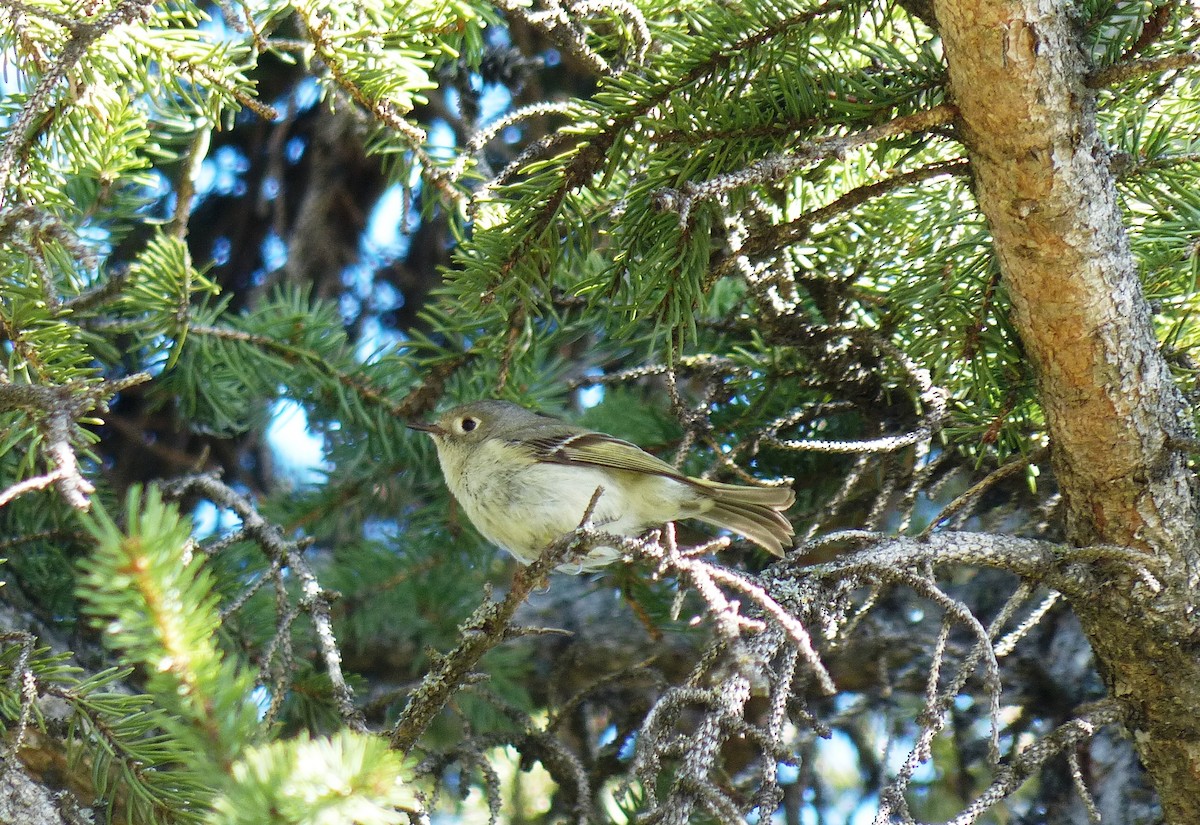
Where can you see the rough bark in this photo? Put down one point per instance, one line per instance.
(26, 801)
(1111, 407)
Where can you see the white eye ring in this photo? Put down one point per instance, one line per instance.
(467, 424)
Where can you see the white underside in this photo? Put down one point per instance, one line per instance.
(527, 508)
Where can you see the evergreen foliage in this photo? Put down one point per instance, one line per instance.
(744, 236)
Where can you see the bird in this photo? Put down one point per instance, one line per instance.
(525, 479)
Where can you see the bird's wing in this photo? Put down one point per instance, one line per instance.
(600, 450)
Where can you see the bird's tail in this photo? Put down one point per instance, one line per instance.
(754, 512)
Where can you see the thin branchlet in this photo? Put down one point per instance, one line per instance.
(314, 599)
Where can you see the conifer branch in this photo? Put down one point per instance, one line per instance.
(705, 578)
(780, 166)
(185, 186)
(1133, 166)
(1038, 560)
(248, 101)
(1153, 27)
(562, 26)
(487, 627)
(385, 111)
(20, 8)
(23, 224)
(1067, 737)
(559, 29)
(419, 400)
(773, 238)
(1129, 69)
(24, 128)
(102, 293)
(314, 600)
(589, 158)
(633, 17)
(57, 410)
(483, 136)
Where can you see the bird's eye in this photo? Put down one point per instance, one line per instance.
(469, 424)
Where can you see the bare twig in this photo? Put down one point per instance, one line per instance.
(314, 600)
(22, 683)
(57, 410)
(557, 25)
(487, 627)
(778, 167)
(773, 238)
(30, 485)
(1130, 69)
(931, 397)
(485, 135)
(1064, 737)
(968, 498)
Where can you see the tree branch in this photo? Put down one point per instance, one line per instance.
(57, 410)
(777, 167)
(314, 599)
(24, 129)
(487, 627)
(1120, 72)
(780, 235)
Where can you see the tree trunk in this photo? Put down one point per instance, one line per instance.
(1111, 406)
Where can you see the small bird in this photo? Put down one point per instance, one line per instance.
(525, 479)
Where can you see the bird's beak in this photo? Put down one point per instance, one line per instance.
(432, 429)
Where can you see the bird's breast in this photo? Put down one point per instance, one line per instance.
(524, 507)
